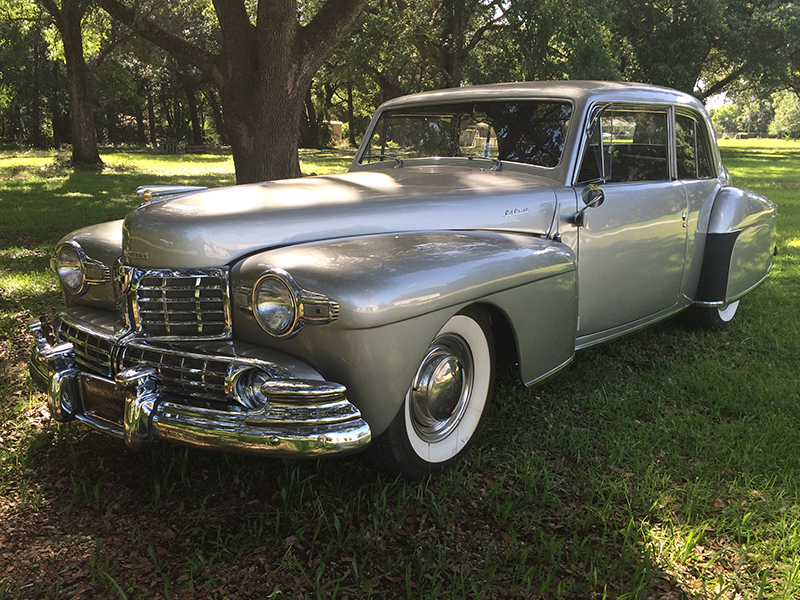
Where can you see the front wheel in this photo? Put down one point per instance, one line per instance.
(712, 317)
(446, 403)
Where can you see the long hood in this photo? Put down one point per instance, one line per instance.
(219, 226)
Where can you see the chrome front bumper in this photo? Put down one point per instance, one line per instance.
(303, 418)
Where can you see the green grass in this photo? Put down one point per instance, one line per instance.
(665, 464)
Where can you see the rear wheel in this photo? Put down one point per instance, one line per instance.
(712, 317)
(446, 403)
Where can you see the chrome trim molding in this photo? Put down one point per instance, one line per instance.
(301, 417)
(94, 272)
(310, 308)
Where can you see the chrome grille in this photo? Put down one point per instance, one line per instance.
(181, 374)
(192, 303)
(92, 352)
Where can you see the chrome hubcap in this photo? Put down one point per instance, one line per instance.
(440, 390)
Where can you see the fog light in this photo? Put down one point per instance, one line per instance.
(244, 384)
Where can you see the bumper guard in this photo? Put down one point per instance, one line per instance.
(302, 418)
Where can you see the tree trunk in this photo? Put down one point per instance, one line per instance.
(263, 70)
(84, 136)
(351, 121)
(262, 128)
(151, 119)
(309, 126)
(111, 125)
(61, 124)
(453, 42)
(141, 138)
(216, 111)
(194, 115)
(37, 137)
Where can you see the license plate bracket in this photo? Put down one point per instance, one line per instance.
(102, 398)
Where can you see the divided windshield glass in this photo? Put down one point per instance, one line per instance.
(524, 131)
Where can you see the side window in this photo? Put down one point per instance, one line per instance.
(627, 145)
(694, 151)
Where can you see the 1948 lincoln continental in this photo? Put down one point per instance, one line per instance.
(362, 311)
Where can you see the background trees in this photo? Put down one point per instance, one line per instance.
(264, 76)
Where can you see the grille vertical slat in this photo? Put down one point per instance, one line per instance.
(91, 352)
(175, 304)
(181, 371)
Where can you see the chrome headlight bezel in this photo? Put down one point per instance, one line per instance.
(279, 317)
(302, 306)
(75, 270)
(68, 265)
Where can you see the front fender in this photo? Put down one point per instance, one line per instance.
(101, 242)
(396, 291)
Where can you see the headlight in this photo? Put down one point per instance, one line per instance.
(70, 269)
(76, 271)
(274, 305)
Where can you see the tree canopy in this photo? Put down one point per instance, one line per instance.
(264, 76)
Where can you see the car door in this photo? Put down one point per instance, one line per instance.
(632, 247)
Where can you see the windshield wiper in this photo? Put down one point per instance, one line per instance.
(390, 157)
(497, 164)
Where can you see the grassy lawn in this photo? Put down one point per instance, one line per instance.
(663, 465)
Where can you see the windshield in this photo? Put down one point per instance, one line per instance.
(525, 131)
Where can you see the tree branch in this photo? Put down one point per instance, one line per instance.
(330, 25)
(51, 7)
(721, 84)
(149, 30)
(238, 33)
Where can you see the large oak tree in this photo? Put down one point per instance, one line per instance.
(68, 16)
(263, 67)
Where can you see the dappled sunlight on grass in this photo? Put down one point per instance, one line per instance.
(665, 464)
(177, 165)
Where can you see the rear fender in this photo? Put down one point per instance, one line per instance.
(739, 246)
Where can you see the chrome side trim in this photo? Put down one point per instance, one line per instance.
(738, 296)
(599, 337)
(552, 372)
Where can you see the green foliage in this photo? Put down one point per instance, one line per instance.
(787, 115)
(664, 464)
(746, 114)
(664, 42)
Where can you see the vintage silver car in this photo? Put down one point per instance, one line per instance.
(362, 311)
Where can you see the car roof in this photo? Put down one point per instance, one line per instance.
(578, 91)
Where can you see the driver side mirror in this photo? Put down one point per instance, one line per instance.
(592, 196)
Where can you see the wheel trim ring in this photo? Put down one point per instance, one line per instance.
(447, 349)
(447, 448)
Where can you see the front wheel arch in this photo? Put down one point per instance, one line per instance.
(437, 424)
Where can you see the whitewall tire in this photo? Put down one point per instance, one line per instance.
(446, 402)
